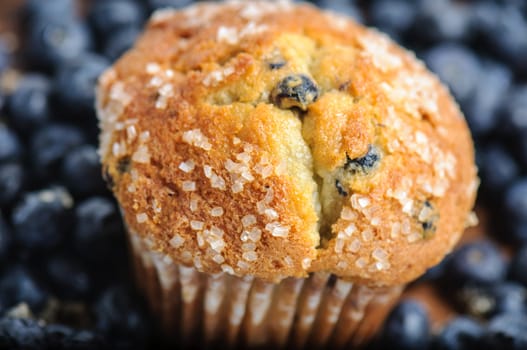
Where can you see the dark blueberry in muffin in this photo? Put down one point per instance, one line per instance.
(340, 188)
(277, 64)
(365, 163)
(427, 216)
(123, 165)
(297, 90)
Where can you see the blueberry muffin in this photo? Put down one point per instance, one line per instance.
(283, 172)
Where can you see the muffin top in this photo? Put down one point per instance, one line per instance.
(271, 139)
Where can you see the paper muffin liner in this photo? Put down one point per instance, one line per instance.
(203, 310)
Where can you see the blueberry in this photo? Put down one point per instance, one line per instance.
(296, 90)
(435, 273)
(75, 85)
(504, 28)
(346, 8)
(459, 334)
(522, 149)
(394, 17)
(68, 278)
(277, 64)
(481, 108)
(107, 16)
(98, 227)
(442, 20)
(17, 285)
(406, 327)
(41, 10)
(12, 183)
(119, 41)
(53, 41)
(506, 332)
(81, 171)
(365, 163)
(518, 266)
(514, 111)
(484, 18)
(159, 4)
(5, 56)
(478, 263)
(508, 297)
(57, 335)
(42, 219)
(29, 105)
(457, 66)
(497, 169)
(5, 241)
(517, 231)
(23, 334)
(10, 145)
(3, 99)
(118, 314)
(515, 201)
(340, 188)
(49, 146)
(85, 340)
(427, 216)
(487, 301)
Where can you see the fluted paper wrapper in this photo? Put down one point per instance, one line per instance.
(225, 311)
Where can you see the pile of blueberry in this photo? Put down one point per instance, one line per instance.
(65, 281)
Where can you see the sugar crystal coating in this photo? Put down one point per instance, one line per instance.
(294, 141)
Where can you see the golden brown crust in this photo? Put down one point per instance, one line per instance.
(212, 170)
